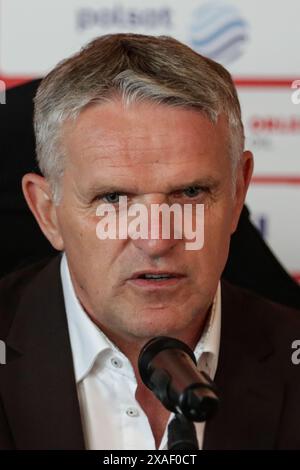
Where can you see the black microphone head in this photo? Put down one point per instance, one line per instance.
(152, 348)
(168, 367)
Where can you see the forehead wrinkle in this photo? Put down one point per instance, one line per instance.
(129, 148)
(123, 139)
(123, 153)
(111, 163)
(126, 159)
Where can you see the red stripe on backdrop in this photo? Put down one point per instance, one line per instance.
(264, 82)
(10, 82)
(250, 82)
(276, 180)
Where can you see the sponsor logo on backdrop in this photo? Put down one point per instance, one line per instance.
(275, 124)
(262, 129)
(219, 31)
(118, 16)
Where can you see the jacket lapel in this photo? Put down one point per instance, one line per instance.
(39, 389)
(251, 394)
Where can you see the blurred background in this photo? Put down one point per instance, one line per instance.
(256, 40)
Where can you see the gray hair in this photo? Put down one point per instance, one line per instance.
(135, 67)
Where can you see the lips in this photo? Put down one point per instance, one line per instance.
(153, 275)
(153, 280)
(156, 276)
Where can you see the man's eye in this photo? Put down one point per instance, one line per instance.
(192, 191)
(111, 198)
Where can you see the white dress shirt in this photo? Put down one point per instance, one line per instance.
(111, 416)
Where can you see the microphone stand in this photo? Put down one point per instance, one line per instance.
(168, 368)
(182, 434)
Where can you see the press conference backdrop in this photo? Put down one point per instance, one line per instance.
(257, 40)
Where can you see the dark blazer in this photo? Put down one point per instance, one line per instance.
(251, 264)
(258, 385)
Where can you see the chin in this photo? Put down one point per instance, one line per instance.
(149, 327)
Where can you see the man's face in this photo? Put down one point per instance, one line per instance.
(152, 154)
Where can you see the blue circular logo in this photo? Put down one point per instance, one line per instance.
(218, 31)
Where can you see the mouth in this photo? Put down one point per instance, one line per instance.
(154, 280)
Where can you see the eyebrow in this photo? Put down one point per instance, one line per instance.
(209, 183)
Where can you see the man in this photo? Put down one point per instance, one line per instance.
(148, 119)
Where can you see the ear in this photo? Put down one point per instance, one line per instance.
(243, 178)
(37, 193)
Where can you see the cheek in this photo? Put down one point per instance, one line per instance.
(82, 243)
(77, 228)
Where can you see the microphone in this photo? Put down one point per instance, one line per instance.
(168, 367)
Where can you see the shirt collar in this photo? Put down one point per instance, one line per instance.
(88, 342)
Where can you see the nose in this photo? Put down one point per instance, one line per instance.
(155, 248)
(157, 238)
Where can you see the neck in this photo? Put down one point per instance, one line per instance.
(131, 346)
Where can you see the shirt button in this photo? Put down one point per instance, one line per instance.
(132, 412)
(116, 362)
